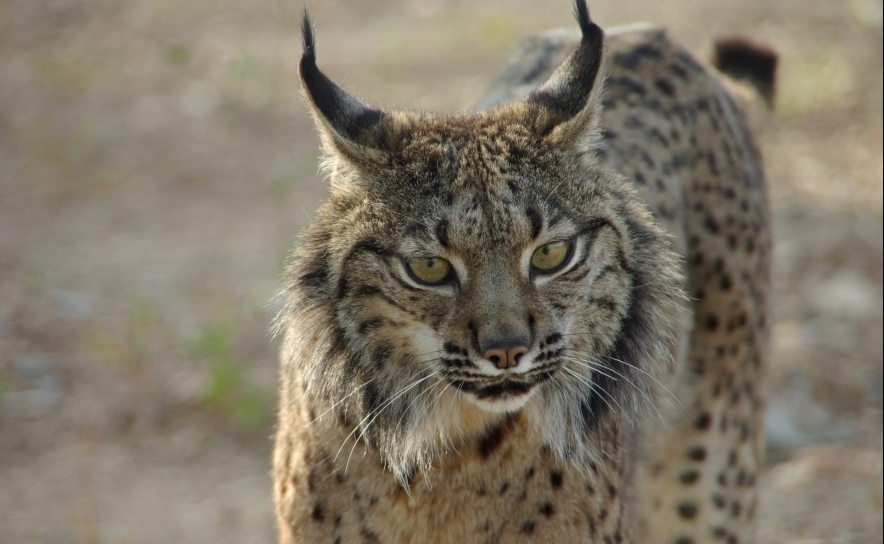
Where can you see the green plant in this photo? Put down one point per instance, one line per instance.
(228, 389)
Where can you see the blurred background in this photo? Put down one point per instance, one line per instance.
(156, 164)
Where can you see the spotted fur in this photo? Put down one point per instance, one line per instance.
(634, 415)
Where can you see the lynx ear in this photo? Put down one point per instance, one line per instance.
(567, 105)
(346, 125)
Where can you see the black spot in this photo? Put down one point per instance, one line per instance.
(494, 438)
(547, 509)
(711, 322)
(629, 86)
(732, 458)
(687, 510)
(555, 479)
(679, 72)
(684, 539)
(718, 501)
(528, 526)
(631, 59)
(318, 514)
(664, 86)
(697, 453)
(689, 477)
(369, 536)
(711, 225)
(703, 421)
(503, 487)
(735, 509)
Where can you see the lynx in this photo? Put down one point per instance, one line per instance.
(544, 321)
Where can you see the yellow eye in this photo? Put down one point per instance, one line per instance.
(550, 257)
(430, 270)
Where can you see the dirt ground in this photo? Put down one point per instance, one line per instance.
(156, 164)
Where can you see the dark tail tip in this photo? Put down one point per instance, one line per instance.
(307, 37)
(748, 61)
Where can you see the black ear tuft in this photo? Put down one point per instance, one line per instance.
(570, 89)
(749, 61)
(347, 116)
(581, 12)
(307, 37)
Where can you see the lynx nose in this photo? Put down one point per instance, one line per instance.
(505, 354)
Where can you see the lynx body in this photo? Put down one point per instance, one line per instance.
(541, 322)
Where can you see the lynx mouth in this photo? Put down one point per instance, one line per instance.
(501, 396)
(500, 390)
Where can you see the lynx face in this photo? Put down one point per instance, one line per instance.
(489, 282)
(478, 260)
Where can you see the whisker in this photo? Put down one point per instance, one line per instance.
(343, 399)
(417, 398)
(641, 391)
(653, 378)
(643, 371)
(377, 412)
(592, 387)
(379, 409)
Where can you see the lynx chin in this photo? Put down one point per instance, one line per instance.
(544, 321)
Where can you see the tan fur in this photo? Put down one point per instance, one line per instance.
(379, 441)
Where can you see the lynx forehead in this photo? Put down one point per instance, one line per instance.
(487, 333)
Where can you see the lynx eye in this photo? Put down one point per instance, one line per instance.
(429, 270)
(551, 257)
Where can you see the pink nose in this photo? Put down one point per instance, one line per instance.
(504, 356)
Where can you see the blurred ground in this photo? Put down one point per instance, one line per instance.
(156, 164)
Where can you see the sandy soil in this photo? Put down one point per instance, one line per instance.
(156, 164)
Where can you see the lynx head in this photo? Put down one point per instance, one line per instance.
(469, 267)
